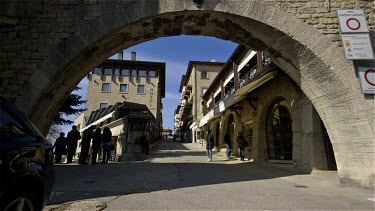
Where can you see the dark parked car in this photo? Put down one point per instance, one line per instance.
(26, 174)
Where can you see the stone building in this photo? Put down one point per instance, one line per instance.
(194, 84)
(121, 80)
(279, 122)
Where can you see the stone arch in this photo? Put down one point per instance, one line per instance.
(310, 58)
(292, 98)
(283, 107)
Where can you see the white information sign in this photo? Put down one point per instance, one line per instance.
(367, 79)
(357, 46)
(352, 21)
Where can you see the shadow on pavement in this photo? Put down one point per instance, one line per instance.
(74, 182)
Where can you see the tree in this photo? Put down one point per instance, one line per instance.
(69, 108)
(53, 133)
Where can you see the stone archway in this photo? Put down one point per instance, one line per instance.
(309, 57)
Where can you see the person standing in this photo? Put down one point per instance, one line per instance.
(107, 142)
(85, 145)
(96, 142)
(72, 139)
(228, 143)
(241, 143)
(209, 145)
(144, 144)
(60, 147)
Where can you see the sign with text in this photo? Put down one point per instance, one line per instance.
(357, 46)
(367, 79)
(352, 21)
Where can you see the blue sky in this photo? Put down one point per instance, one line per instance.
(176, 52)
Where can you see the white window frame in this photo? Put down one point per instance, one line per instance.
(144, 89)
(109, 87)
(127, 88)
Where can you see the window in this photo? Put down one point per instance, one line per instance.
(123, 88)
(125, 72)
(204, 74)
(142, 73)
(204, 91)
(108, 71)
(134, 72)
(117, 71)
(98, 70)
(141, 89)
(105, 87)
(103, 105)
(151, 73)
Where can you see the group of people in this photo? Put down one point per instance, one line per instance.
(241, 143)
(68, 146)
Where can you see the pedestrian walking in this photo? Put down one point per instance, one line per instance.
(96, 143)
(60, 147)
(107, 142)
(209, 145)
(72, 140)
(85, 144)
(241, 143)
(228, 143)
(144, 144)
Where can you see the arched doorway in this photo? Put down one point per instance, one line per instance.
(230, 125)
(217, 135)
(279, 131)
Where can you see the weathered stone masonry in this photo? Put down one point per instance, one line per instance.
(48, 46)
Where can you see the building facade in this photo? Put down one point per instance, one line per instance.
(278, 121)
(121, 80)
(199, 75)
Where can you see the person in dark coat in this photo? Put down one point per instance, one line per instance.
(107, 142)
(209, 145)
(72, 139)
(241, 143)
(60, 147)
(96, 142)
(144, 144)
(85, 144)
(228, 143)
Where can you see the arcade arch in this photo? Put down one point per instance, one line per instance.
(309, 57)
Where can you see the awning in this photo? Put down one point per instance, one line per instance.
(243, 91)
(98, 121)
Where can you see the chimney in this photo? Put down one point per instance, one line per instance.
(133, 57)
(213, 60)
(120, 55)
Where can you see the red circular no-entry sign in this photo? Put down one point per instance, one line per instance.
(372, 83)
(353, 24)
